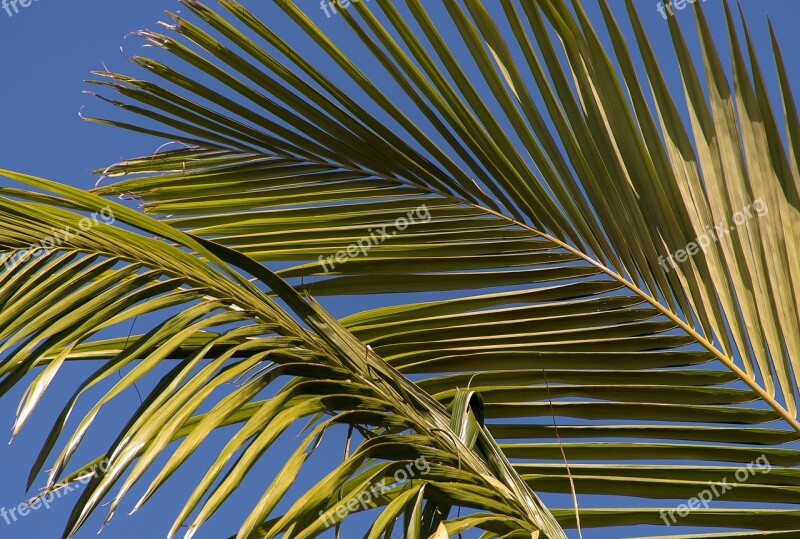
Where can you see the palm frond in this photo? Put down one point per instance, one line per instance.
(231, 334)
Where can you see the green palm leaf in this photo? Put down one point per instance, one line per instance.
(228, 331)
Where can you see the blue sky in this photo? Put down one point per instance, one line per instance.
(46, 51)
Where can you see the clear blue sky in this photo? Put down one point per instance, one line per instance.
(46, 51)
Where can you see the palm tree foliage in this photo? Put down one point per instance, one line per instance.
(557, 176)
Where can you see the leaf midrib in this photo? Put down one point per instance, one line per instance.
(703, 341)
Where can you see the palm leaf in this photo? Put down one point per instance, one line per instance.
(228, 332)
